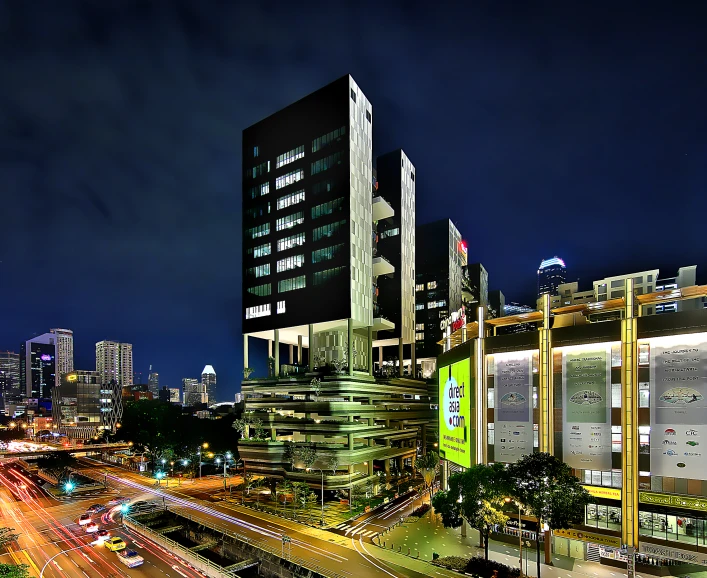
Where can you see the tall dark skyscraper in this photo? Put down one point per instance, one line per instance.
(38, 366)
(9, 373)
(551, 274)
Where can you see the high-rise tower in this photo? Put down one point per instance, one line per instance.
(38, 371)
(114, 361)
(64, 350)
(208, 380)
(551, 274)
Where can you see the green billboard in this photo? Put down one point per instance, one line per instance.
(456, 425)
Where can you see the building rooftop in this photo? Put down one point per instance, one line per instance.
(549, 262)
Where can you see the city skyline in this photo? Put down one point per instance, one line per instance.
(138, 172)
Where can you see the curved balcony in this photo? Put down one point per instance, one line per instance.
(381, 266)
(381, 209)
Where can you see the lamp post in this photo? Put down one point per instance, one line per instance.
(520, 534)
(205, 446)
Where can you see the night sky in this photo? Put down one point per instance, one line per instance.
(552, 129)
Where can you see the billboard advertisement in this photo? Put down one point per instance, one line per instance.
(678, 400)
(513, 406)
(586, 404)
(456, 432)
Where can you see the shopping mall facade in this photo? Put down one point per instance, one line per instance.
(619, 396)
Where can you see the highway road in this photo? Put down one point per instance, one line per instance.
(373, 523)
(338, 557)
(51, 536)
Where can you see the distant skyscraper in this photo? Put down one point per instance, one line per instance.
(38, 372)
(208, 380)
(551, 274)
(114, 361)
(9, 373)
(153, 381)
(64, 350)
(194, 392)
(175, 395)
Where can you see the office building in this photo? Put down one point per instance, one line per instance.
(551, 274)
(394, 260)
(475, 286)
(10, 374)
(38, 371)
(64, 350)
(194, 392)
(153, 382)
(440, 257)
(329, 264)
(114, 362)
(208, 380)
(497, 304)
(164, 395)
(83, 406)
(175, 395)
(635, 445)
(569, 294)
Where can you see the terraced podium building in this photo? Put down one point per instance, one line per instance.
(329, 270)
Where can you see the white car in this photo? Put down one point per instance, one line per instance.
(85, 519)
(91, 528)
(130, 558)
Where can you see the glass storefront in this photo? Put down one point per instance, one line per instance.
(671, 527)
(607, 517)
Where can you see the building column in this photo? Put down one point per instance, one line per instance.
(269, 347)
(351, 441)
(310, 351)
(424, 438)
(546, 433)
(299, 350)
(401, 369)
(370, 467)
(370, 350)
(629, 423)
(245, 351)
(413, 360)
(481, 401)
(380, 358)
(276, 353)
(292, 354)
(444, 475)
(349, 345)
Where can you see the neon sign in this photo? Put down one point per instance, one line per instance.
(456, 320)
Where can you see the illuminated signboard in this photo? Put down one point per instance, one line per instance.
(46, 357)
(592, 537)
(455, 423)
(455, 321)
(602, 492)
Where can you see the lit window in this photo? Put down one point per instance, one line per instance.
(390, 233)
(256, 151)
(321, 277)
(419, 326)
(327, 139)
(326, 163)
(257, 311)
(260, 169)
(289, 221)
(290, 156)
(259, 231)
(291, 199)
(280, 307)
(419, 306)
(328, 231)
(259, 271)
(259, 251)
(291, 284)
(420, 287)
(327, 253)
(290, 242)
(436, 304)
(432, 285)
(260, 290)
(289, 263)
(419, 336)
(289, 178)
(327, 208)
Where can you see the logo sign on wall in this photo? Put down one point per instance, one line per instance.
(586, 403)
(455, 423)
(678, 392)
(513, 413)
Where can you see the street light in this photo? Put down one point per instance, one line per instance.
(321, 520)
(520, 534)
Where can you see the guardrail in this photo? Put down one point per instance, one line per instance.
(261, 545)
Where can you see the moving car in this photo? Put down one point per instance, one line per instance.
(115, 543)
(117, 501)
(102, 535)
(96, 509)
(130, 558)
(84, 519)
(143, 506)
(91, 528)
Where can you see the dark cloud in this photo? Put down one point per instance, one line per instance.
(544, 128)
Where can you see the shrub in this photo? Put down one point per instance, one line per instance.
(421, 511)
(452, 563)
(484, 568)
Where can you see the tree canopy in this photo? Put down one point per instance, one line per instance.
(428, 465)
(477, 496)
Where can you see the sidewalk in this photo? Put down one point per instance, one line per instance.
(429, 535)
